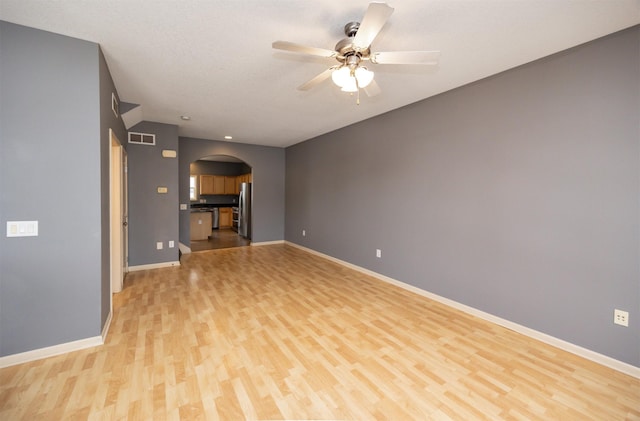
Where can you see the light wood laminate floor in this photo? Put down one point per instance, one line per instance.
(222, 238)
(273, 332)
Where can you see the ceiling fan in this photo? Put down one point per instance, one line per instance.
(353, 52)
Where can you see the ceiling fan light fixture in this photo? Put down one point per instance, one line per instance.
(364, 76)
(341, 76)
(350, 86)
(355, 49)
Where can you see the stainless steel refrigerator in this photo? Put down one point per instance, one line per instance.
(244, 211)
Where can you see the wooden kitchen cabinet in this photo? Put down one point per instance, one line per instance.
(211, 184)
(244, 178)
(225, 217)
(206, 184)
(230, 185)
(218, 184)
(201, 225)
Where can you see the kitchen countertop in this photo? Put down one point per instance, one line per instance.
(208, 207)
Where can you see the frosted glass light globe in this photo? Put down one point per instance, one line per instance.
(364, 76)
(341, 76)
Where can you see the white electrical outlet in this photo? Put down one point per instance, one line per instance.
(378, 253)
(171, 244)
(621, 317)
(304, 233)
(159, 245)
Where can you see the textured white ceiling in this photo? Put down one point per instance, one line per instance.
(212, 60)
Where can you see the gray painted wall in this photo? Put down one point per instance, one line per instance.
(516, 195)
(267, 165)
(52, 157)
(153, 217)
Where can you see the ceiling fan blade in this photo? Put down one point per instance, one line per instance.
(372, 89)
(372, 22)
(297, 48)
(316, 80)
(406, 57)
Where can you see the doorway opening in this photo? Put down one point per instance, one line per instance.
(119, 232)
(220, 193)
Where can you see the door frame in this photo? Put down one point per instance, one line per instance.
(118, 244)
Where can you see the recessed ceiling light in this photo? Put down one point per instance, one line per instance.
(228, 137)
(185, 117)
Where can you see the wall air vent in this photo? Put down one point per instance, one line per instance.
(142, 138)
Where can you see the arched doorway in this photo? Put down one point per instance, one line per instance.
(220, 202)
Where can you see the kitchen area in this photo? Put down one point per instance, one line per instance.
(220, 203)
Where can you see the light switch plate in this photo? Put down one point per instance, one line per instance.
(22, 228)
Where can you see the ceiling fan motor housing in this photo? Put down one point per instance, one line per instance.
(345, 47)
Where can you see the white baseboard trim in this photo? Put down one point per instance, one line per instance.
(184, 249)
(50, 351)
(105, 328)
(588, 354)
(153, 266)
(268, 243)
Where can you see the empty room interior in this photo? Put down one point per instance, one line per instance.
(320, 210)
